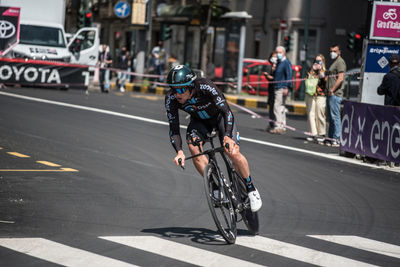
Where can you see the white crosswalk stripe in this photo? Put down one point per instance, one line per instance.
(58, 253)
(362, 243)
(178, 251)
(70, 256)
(296, 252)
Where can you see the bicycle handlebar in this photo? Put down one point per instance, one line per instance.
(180, 163)
(209, 151)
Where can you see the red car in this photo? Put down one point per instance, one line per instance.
(254, 82)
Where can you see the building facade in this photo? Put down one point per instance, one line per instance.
(329, 23)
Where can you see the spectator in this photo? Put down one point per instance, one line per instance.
(105, 61)
(158, 60)
(269, 75)
(123, 63)
(316, 100)
(282, 79)
(335, 95)
(390, 86)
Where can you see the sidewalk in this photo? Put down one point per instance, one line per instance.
(250, 101)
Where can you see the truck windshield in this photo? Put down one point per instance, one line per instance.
(41, 35)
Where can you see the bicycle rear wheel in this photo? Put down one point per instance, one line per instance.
(221, 209)
(250, 218)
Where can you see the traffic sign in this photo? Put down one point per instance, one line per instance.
(283, 25)
(9, 28)
(122, 9)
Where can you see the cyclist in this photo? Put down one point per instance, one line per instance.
(208, 109)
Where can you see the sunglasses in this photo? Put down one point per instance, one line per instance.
(179, 90)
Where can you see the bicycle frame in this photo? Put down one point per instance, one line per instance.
(238, 204)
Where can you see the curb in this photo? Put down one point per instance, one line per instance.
(293, 108)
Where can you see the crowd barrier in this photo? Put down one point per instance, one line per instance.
(43, 73)
(371, 130)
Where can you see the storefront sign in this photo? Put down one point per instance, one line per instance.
(385, 24)
(139, 9)
(371, 130)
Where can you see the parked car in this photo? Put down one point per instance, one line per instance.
(352, 86)
(254, 82)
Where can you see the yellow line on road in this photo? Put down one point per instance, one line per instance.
(27, 170)
(48, 163)
(18, 155)
(69, 170)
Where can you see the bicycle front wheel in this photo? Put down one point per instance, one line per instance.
(221, 208)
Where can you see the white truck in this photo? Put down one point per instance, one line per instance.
(42, 34)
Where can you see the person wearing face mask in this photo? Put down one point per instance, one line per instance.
(390, 86)
(316, 100)
(269, 75)
(335, 94)
(282, 84)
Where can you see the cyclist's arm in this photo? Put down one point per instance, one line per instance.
(173, 119)
(221, 104)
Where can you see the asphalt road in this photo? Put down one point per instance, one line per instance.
(94, 185)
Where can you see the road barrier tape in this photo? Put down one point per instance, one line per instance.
(159, 77)
(258, 116)
(302, 79)
(229, 83)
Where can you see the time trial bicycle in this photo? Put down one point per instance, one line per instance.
(231, 204)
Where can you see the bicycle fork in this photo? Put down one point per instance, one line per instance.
(238, 205)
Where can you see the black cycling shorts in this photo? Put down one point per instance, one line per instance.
(200, 128)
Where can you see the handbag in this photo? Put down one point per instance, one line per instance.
(311, 85)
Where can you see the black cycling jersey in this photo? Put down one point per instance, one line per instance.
(206, 103)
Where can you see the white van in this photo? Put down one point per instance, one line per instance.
(42, 34)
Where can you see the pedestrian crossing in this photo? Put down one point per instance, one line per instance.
(174, 249)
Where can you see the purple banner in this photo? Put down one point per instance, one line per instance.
(371, 130)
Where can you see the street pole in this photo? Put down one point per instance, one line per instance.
(241, 55)
(305, 48)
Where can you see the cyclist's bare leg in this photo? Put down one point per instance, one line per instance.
(240, 161)
(199, 162)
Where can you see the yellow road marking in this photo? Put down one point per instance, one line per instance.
(147, 97)
(48, 163)
(60, 170)
(18, 155)
(69, 170)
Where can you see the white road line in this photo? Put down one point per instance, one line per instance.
(362, 243)
(85, 108)
(318, 154)
(58, 253)
(296, 252)
(178, 251)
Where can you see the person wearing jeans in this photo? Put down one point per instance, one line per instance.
(335, 94)
(282, 79)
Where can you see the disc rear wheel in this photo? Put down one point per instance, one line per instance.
(250, 218)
